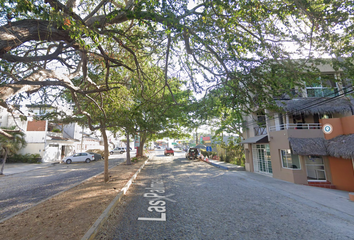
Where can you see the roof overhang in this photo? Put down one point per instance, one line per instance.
(308, 146)
(256, 139)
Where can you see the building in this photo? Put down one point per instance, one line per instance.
(287, 141)
(52, 141)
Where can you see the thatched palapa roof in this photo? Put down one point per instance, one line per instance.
(341, 146)
(316, 105)
(308, 146)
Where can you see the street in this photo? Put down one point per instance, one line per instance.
(175, 198)
(22, 190)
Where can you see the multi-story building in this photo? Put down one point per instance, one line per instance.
(270, 136)
(52, 141)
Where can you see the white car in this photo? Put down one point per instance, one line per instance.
(120, 150)
(79, 157)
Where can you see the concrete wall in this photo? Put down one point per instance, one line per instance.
(33, 148)
(342, 170)
(348, 124)
(342, 173)
(35, 137)
(280, 140)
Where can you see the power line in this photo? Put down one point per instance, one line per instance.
(326, 100)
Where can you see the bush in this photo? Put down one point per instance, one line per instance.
(228, 158)
(56, 130)
(26, 158)
(208, 154)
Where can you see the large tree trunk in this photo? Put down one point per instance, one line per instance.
(129, 162)
(142, 142)
(106, 153)
(3, 162)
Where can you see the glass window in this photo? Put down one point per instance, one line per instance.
(326, 87)
(315, 168)
(290, 160)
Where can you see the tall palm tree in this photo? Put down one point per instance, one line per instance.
(11, 144)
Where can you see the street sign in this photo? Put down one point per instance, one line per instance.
(136, 141)
(209, 149)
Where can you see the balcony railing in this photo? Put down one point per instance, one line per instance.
(260, 131)
(295, 126)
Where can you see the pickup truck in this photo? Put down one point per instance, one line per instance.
(169, 151)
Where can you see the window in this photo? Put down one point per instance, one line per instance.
(326, 87)
(289, 160)
(315, 168)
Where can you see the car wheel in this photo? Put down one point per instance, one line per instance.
(121, 152)
(69, 161)
(87, 160)
(111, 153)
(173, 154)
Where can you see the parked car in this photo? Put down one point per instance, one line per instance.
(169, 151)
(192, 153)
(79, 157)
(120, 150)
(96, 155)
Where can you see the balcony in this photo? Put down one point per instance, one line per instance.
(258, 131)
(295, 126)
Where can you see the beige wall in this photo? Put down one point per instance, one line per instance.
(280, 140)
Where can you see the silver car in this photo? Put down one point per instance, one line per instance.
(79, 157)
(120, 150)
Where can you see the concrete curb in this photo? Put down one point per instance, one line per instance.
(76, 184)
(233, 168)
(92, 232)
(219, 166)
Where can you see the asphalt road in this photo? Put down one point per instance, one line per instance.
(174, 198)
(20, 191)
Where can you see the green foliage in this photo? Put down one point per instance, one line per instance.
(12, 145)
(56, 130)
(24, 158)
(208, 154)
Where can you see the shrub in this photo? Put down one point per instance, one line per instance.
(228, 158)
(208, 154)
(24, 158)
(56, 130)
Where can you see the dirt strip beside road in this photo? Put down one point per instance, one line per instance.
(71, 214)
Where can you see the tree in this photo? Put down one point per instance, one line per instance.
(11, 145)
(222, 41)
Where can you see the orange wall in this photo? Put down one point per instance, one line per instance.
(342, 173)
(342, 170)
(337, 127)
(36, 125)
(348, 124)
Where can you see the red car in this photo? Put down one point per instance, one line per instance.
(169, 151)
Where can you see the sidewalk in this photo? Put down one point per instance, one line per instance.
(224, 165)
(332, 200)
(14, 168)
